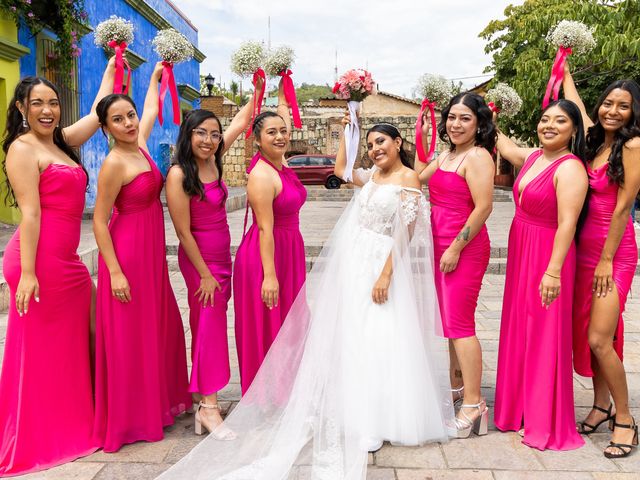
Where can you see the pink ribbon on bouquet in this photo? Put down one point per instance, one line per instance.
(426, 158)
(121, 63)
(168, 84)
(290, 96)
(493, 107)
(257, 97)
(557, 73)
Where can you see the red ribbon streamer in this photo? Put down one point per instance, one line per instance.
(494, 108)
(121, 63)
(290, 96)
(257, 97)
(426, 158)
(557, 73)
(168, 84)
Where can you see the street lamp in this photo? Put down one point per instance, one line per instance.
(209, 81)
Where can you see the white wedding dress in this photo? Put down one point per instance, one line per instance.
(344, 371)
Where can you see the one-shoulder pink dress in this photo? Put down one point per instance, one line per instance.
(451, 205)
(603, 196)
(209, 346)
(46, 399)
(256, 326)
(141, 360)
(534, 385)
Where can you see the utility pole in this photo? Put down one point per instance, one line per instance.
(269, 32)
(335, 69)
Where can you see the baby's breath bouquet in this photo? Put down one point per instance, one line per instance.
(248, 59)
(502, 98)
(279, 60)
(116, 33)
(436, 92)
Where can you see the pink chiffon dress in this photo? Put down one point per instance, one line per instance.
(451, 205)
(256, 326)
(534, 384)
(603, 196)
(209, 347)
(141, 364)
(46, 399)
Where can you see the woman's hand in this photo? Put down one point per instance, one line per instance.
(449, 260)
(270, 289)
(380, 292)
(346, 120)
(120, 287)
(603, 278)
(27, 287)
(157, 71)
(208, 286)
(549, 289)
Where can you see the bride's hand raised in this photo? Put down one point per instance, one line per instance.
(380, 292)
(346, 120)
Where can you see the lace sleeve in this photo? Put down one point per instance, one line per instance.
(410, 201)
(362, 174)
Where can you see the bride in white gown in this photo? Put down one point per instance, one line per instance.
(360, 358)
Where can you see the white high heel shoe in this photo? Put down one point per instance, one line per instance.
(219, 432)
(462, 427)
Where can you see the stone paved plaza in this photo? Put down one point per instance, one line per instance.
(496, 456)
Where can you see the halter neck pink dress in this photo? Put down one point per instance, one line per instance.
(603, 196)
(141, 361)
(46, 399)
(209, 346)
(256, 326)
(451, 205)
(534, 385)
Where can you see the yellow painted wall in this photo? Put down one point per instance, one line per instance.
(9, 78)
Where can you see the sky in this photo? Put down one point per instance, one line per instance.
(396, 40)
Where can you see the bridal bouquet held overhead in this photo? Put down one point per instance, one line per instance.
(354, 86)
(278, 63)
(116, 33)
(568, 37)
(503, 99)
(248, 60)
(436, 92)
(172, 47)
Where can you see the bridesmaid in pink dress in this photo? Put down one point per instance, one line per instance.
(196, 196)
(607, 257)
(534, 386)
(270, 263)
(46, 399)
(461, 194)
(141, 369)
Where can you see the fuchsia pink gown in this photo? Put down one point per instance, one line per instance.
(46, 400)
(256, 326)
(141, 365)
(209, 347)
(603, 197)
(534, 384)
(451, 205)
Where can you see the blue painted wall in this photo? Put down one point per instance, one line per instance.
(91, 65)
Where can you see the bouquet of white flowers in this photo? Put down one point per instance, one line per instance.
(502, 98)
(116, 33)
(278, 63)
(436, 92)
(248, 59)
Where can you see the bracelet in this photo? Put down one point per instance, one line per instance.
(552, 276)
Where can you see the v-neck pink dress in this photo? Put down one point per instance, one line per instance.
(534, 384)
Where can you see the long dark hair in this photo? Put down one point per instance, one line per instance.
(15, 128)
(184, 154)
(486, 133)
(595, 134)
(102, 109)
(391, 131)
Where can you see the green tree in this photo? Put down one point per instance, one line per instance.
(523, 58)
(307, 91)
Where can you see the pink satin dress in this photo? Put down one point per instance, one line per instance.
(451, 205)
(256, 326)
(46, 398)
(603, 197)
(209, 346)
(141, 362)
(534, 385)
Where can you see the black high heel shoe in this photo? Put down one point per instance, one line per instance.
(624, 449)
(585, 428)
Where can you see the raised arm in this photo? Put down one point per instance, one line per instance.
(571, 190)
(110, 181)
(479, 174)
(150, 109)
(240, 121)
(24, 176)
(83, 129)
(603, 280)
(179, 208)
(425, 170)
(283, 107)
(571, 93)
(341, 157)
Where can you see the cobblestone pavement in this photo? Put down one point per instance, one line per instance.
(496, 456)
